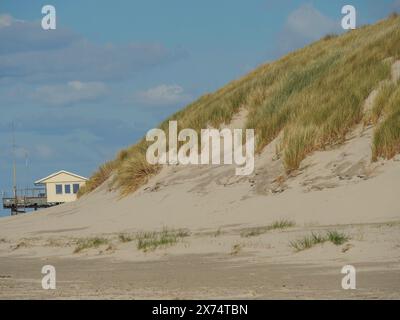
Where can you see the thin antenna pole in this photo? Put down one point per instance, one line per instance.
(14, 169)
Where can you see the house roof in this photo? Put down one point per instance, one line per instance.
(41, 181)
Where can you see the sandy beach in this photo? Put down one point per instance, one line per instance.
(229, 248)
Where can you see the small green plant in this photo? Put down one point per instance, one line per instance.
(310, 241)
(148, 241)
(280, 224)
(337, 238)
(83, 244)
(307, 242)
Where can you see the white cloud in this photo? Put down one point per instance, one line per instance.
(70, 93)
(28, 54)
(305, 25)
(163, 95)
(308, 22)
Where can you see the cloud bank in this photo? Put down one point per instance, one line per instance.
(69, 93)
(163, 95)
(305, 25)
(32, 54)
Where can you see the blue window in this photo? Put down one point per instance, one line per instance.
(59, 189)
(75, 188)
(67, 188)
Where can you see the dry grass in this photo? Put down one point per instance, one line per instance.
(133, 173)
(149, 241)
(315, 95)
(98, 178)
(88, 243)
(382, 98)
(386, 141)
(277, 225)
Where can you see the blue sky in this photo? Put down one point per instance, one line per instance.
(114, 69)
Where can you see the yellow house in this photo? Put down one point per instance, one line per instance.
(62, 186)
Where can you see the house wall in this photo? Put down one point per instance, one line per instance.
(62, 179)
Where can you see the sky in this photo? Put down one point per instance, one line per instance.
(114, 69)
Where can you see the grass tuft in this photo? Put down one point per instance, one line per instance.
(98, 178)
(310, 241)
(83, 244)
(386, 141)
(149, 241)
(280, 224)
(337, 238)
(307, 242)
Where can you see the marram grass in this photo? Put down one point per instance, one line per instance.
(315, 95)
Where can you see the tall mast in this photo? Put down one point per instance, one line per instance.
(14, 169)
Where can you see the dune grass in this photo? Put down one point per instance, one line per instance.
(314, 95)
(88, 243)
(149, 241)
(309, 241)
(337, 238)
(98, 178)
(280, 224)
(381, 100)
(386, 141)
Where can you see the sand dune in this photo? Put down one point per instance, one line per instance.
(335, 189)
